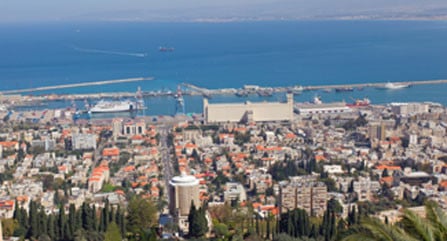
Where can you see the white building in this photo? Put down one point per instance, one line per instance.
(83, 141)
(333, 169)
(183, 190)
(234, 192)
(308, 109)
(405, 109)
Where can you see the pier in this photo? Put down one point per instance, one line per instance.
(208, 92)
(65, 86)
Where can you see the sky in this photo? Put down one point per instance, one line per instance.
(180, 10)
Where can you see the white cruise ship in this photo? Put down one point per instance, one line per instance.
(113, 106)
(390, 85)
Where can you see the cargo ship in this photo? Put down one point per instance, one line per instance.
(360, 103)
(166, 49)
(113, 106)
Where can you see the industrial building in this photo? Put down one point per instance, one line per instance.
(183, 190)
(248, 111)
(308, 109)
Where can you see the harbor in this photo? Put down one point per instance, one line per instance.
(188, 97)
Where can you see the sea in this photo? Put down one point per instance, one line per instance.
(227, 55)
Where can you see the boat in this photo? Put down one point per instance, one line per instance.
(346, 89)
(241, 93)
(317, 100)
(359, 103)
(166, 49)
(393, 86)
(265, 92)
(113, 106)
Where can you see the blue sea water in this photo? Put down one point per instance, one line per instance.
(216, 55)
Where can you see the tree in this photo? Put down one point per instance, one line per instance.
(33, 231)
(8, 226)
(221, 230)
(141, 214)
(198, 224)
(374, 229)
(412, 227)
(113, 233)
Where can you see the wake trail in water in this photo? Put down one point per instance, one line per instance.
(101, 51)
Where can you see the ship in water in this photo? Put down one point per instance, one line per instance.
(114, 106)
(359, 103)
(344, 89)
(166, 49)
(393, 86)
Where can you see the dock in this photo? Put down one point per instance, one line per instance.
(8, 96)
(279, 89)
(65, 86)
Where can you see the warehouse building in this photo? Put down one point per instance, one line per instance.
(248, 111)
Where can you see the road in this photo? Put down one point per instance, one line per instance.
(166, 157)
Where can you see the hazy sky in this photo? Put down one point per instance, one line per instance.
(174, 10)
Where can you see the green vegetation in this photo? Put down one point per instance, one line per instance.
(86, 223)
(198, 224)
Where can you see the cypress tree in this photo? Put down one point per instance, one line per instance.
(106, 215)
(61, 223)
(33, 220)
(341, 226)
(50, 227)
(72, 218)
(94, 218)
(43, 222)
(290, 228)
(352, 216)
(17, 214)
(268, 228)
(56, 227)
(332, 227)
(123, 224)
(192, 219)
(313, 231)
(257, 225)
(301, 223)
(67, 234)
(24, 215)
(112, 215)
(85, 216)
(101, 226)
(78, 221)
(203, 221)
(295, 222)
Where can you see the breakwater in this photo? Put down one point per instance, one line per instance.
(65, 86)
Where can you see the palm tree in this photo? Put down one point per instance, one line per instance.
(372, 229)
(418, 227)
(438, 219)
(412, 227)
